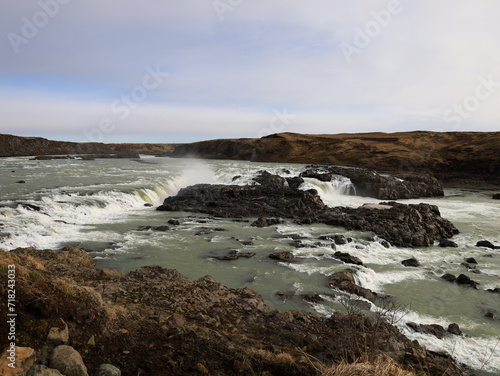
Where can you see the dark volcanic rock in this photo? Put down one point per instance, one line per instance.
(312, 298)
(401, 225)
(433, 329)
(454, 329)
(449, 277)
(245, 201)
(371, 184)
(294, 182)
(487, 244)
(347, 258)
(496, 196)
(413, 262)
(339, 239)
(265, 222)
(345, 281)
(462, 279)
(447, 243)
(282, 256)
(268, 179)
(235, 255)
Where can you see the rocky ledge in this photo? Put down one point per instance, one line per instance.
(399, 224)
(74, 319)
(370, 183)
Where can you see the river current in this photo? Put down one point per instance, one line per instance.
(100, 205)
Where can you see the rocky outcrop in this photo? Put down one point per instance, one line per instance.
(155, 321)
(369, 183)
(399, 224)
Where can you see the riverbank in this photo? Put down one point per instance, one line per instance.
(153, 321)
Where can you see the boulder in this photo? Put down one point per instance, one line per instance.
(412, 262)
(454, 329)
(345, 281)
(347, 258)
(16, 361)
(449, 277)
(59, 336)
(68, 361)
(295, 182)
(496, 196)
(447, 243)
(312, 298)
(235, 255)
(265, 222)
(285, 256)
(487, 244)
(462, 279)
(432, 329)
(108, 370)
(268, 179)
(339, 239)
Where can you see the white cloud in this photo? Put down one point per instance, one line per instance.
(264, 55)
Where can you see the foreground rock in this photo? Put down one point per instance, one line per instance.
(157, 322)
(399, 224)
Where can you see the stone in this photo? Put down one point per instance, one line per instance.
(339, 239)
(173, 222)
(471, 260)
(108, 370)
(462, 279)
(412, 262)
(282, 256)
(347, 258)
(345, 281)
(265, 222)
(59, 336)
(432, 329)
(447, 243)
(41, 370)
(454, 329)
(490, 315)
(68, 361)
(312, 298)
(235, 255)
(449, 277)
(22, 358)
(487, 244)
(496, 196)
(267, 179)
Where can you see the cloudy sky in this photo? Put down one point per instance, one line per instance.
(165, 70)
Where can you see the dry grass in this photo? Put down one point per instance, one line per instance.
(381, 366)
